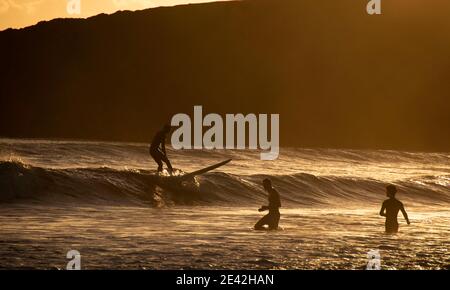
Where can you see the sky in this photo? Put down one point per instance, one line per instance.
(22, 13)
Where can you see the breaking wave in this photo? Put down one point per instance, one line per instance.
(21, 182)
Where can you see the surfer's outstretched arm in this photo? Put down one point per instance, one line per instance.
(263, 208)
(405, 215)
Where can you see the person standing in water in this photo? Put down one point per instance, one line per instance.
(158, 148)
(390, 209)
(273, 217)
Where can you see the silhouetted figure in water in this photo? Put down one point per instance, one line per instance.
(273, 217)
(390, 209)
(158, 148)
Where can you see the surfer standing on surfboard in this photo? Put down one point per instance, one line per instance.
(273, 217)
(158, 148)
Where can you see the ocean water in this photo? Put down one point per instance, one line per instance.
(105, 200)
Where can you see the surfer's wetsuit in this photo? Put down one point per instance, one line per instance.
(158, 150)
(273, 217)
(390, 209)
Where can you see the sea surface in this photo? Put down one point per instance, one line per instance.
(105, 200)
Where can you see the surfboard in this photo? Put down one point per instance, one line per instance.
(201, 171)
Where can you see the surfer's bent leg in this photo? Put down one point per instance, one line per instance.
(166, 160)
(274, 220)
(265, 220)
(157, 156)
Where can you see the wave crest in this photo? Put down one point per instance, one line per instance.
(21, 182)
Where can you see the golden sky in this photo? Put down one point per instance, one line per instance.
(22, 13)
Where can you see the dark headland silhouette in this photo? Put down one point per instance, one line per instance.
(337, 76)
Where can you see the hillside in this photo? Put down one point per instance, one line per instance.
(337, 76)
